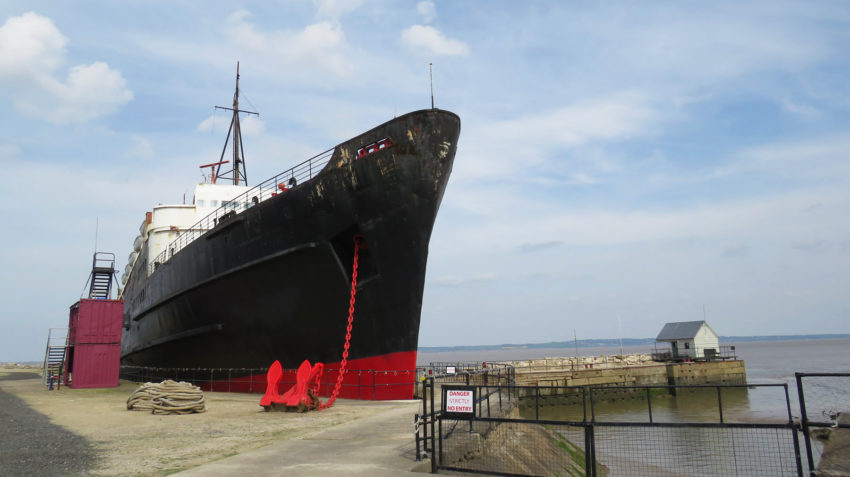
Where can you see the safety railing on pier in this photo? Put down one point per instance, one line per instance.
(468, 372)
(708, 354)
(267, 189)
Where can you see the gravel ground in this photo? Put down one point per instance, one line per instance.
(100, 437)
(31, 445)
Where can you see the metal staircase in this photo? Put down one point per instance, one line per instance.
(56, 354)
(102, 273)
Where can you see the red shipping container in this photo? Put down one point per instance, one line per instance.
(94, 343)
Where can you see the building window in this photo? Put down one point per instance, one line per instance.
(687, 345)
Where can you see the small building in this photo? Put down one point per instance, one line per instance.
(690, 339)
(94, 343)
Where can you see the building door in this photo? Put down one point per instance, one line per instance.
(675, 346)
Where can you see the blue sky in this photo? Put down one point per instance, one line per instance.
(619, 162)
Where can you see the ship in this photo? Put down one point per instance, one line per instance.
(218, 289)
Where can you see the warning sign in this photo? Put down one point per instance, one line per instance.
(459, 402)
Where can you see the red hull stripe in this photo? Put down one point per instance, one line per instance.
(384, 377)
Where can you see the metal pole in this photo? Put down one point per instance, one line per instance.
(592, 408)
(431, 72)
(587, 451)
(433, 436)
(805, 423)
(720, 404)
(794, 435)
(649, 403)
(537, 403)
(488, 401)
(425, 413)
(592, 464)
(416, 435)
(440, 438)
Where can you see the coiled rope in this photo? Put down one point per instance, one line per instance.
(167, 397)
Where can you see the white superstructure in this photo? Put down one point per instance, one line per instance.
(165, 223)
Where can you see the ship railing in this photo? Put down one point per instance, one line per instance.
(278, 184)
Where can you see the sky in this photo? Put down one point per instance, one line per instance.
(621, 164)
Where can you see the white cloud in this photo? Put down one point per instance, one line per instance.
(335, 8)
(142, 148)
(320, 45)
(31, 51)
(423, 37)
(30, 45)
(427, 10)
(532, 139)
(823, 157)
(454, 281)
(606, 119)
(9, 152)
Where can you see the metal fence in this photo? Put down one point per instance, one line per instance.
(822, 398)
(517, 441)
(666, 353)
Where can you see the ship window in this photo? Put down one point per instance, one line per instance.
(214, 203)
(374, 147)
(200, 203)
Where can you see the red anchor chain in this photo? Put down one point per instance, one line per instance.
(358, 243)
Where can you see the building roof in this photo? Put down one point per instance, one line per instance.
(680, 330)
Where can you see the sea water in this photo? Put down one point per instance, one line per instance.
(767, 362)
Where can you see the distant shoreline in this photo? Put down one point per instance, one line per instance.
(597, 343)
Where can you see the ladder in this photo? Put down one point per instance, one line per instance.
(56, 354)
(102, 272)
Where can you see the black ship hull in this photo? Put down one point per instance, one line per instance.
(273, 281)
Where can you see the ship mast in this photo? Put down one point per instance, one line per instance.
(237, 174)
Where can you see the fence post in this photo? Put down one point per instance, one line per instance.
(649, 403)
(537, 403)
(592, 408)
(425, 413)
(591, 465)
(416, 435)
(440, 439)
(720, 404)
(433, 436)
(804, 420)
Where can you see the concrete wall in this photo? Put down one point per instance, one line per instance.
(646, 374)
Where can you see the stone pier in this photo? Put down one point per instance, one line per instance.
(630, 370)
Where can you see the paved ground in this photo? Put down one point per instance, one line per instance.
(379, 445)
(835, 460)
(31, 445)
